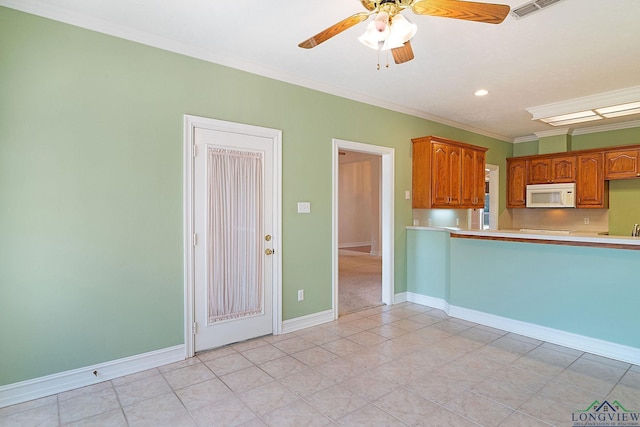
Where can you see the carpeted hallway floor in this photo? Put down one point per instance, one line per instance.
(359, 281)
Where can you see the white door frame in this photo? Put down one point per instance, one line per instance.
(386, 215)
(190, 123)
(494, 195)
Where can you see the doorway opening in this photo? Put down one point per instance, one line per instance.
(362, 255)
(359, 254)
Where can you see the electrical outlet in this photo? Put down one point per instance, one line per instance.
(586, 221)
(457, 221)
(304, 207)
(300, 294)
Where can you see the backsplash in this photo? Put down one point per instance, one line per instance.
(561, 219)
(441, 218)
(551, 219)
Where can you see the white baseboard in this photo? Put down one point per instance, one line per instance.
(64, 381)
(428, 301)
(555, 336)
(401, 297)
(353, 245)
(307, 321)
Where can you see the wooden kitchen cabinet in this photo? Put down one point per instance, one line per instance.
(446, 169)
(591, 188)
(516, 183)
(590, 169)
(552, 169)
(473, 178)
(446, 174)
(622, 164)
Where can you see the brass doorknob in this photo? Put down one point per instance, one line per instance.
(268, 251)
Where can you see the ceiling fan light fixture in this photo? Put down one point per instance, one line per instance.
(404, 27)
(401, 32)
(382, 21)
(392, 42)
(372, 37)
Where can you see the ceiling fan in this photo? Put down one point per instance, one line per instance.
(391, 31)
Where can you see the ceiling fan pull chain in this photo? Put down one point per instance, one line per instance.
(378, 67)
(387, 59)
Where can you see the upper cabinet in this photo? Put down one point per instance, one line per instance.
(473, 177)
(516, 183)
(589, 169)
(591, 189)
(446, 166)
(622, 164)
(552, 169)
(447, 174)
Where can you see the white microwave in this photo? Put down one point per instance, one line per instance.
(551, 195)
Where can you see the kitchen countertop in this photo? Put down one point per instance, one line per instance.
(576, 238)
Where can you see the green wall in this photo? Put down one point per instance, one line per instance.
(624, 197)
(554, 144)
(91, 145)
(529, 148)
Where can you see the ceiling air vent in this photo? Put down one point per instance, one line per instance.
(532, 6)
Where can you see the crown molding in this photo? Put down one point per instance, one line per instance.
(525, 138)
(553, 132)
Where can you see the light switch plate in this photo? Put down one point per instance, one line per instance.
(304, 207)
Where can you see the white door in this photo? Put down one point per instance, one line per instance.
(233, 227)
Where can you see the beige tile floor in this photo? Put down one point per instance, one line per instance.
(401, 365)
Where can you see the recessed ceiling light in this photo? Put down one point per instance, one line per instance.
(481, 92)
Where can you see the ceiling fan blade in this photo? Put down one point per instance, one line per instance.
(325, 35)
(469, 10)
(403, 53)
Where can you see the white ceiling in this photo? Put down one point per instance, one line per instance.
(571, 49)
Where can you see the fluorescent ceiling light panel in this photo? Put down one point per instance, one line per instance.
(622, 113)
(595, 107)
(630, 108)
(570, 116)
(574, 121)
